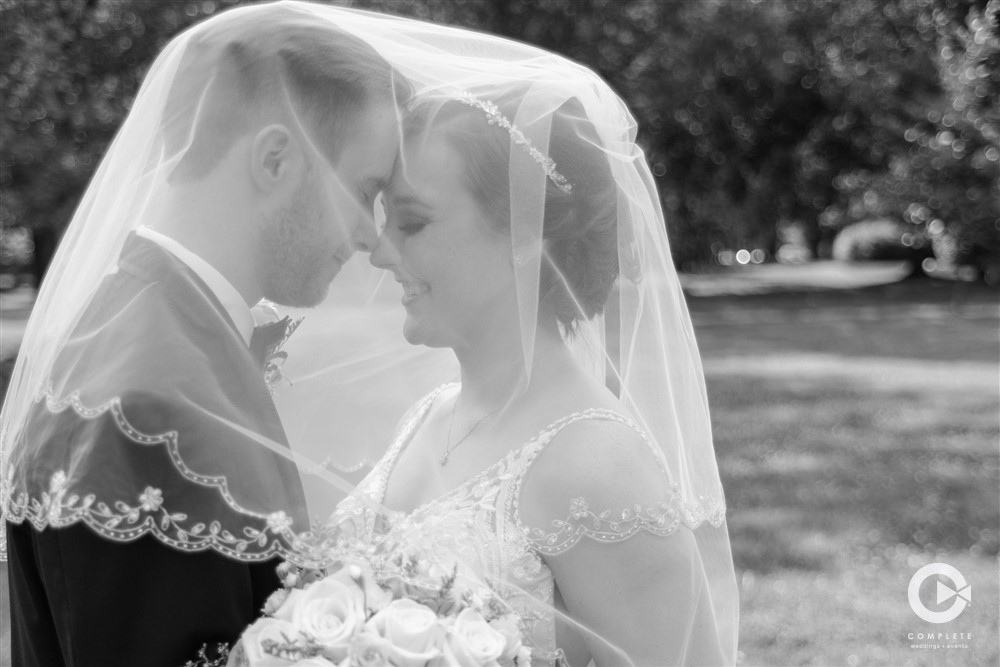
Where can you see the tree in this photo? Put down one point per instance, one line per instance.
(932, 108)
(70, 72)
(753, 115)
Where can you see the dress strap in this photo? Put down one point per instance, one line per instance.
(603, 524)
(408, 425)
(546, 435)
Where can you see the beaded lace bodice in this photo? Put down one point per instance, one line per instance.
(479, 522)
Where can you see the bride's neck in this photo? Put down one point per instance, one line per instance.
(493, 371)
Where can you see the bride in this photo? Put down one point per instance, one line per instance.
(580, 486)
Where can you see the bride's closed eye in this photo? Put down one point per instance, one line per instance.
(411, 224)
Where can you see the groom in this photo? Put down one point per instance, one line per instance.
(270, 197)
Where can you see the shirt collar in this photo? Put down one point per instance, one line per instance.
(223, 290)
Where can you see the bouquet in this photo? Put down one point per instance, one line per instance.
(372, 610)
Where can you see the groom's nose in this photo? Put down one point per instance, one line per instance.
(365, 236)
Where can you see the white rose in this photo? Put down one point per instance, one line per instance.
(330, 612)
(508, 627)
(289, 601)
(370, 650)
(412, 629)
(275, 601)
(473, 642)
(264, 630)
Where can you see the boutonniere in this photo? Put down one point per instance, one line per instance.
(265, 346)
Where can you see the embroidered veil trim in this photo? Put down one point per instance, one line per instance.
(127, 521)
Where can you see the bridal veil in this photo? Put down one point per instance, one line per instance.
(345, 376)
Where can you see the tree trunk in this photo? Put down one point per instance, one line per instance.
(46, 240)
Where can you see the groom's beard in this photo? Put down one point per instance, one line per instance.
(297, 247)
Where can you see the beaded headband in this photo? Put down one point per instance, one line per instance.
(495, 117)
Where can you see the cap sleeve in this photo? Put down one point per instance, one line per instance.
(594, 477)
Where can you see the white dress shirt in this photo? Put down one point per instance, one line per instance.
(228, 296)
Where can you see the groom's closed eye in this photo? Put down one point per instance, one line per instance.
(372, 189)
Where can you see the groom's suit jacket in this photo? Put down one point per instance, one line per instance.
(80, 599)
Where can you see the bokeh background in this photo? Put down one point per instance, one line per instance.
(829, 173)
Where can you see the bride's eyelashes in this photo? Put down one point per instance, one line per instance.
(412, 225)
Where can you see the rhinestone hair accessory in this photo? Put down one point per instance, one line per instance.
(495, 117)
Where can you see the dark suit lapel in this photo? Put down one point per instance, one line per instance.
(196, 304)
(152, 263)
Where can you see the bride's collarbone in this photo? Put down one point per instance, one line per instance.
(417, 476)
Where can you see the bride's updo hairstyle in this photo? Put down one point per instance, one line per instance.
(580, 262)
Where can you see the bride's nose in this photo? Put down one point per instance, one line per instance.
(385, 255)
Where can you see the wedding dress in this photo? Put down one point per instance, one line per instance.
(480, 523)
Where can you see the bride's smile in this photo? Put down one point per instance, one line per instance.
(452, 261)
(412, 290)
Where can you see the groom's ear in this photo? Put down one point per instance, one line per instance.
(275, 158)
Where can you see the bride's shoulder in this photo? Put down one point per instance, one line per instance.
(593, 445)
(596, 448)
(599, 465)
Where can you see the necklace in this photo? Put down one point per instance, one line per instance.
(449, 448)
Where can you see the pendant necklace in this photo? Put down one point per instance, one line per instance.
(449, 448)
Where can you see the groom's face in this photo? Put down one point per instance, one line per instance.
(330, 216)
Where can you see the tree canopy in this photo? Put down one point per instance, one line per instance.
(756, 117)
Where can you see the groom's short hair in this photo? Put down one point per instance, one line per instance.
(271, 64)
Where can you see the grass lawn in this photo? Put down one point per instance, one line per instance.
(857, 434)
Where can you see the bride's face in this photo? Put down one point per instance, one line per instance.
(452, 260)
